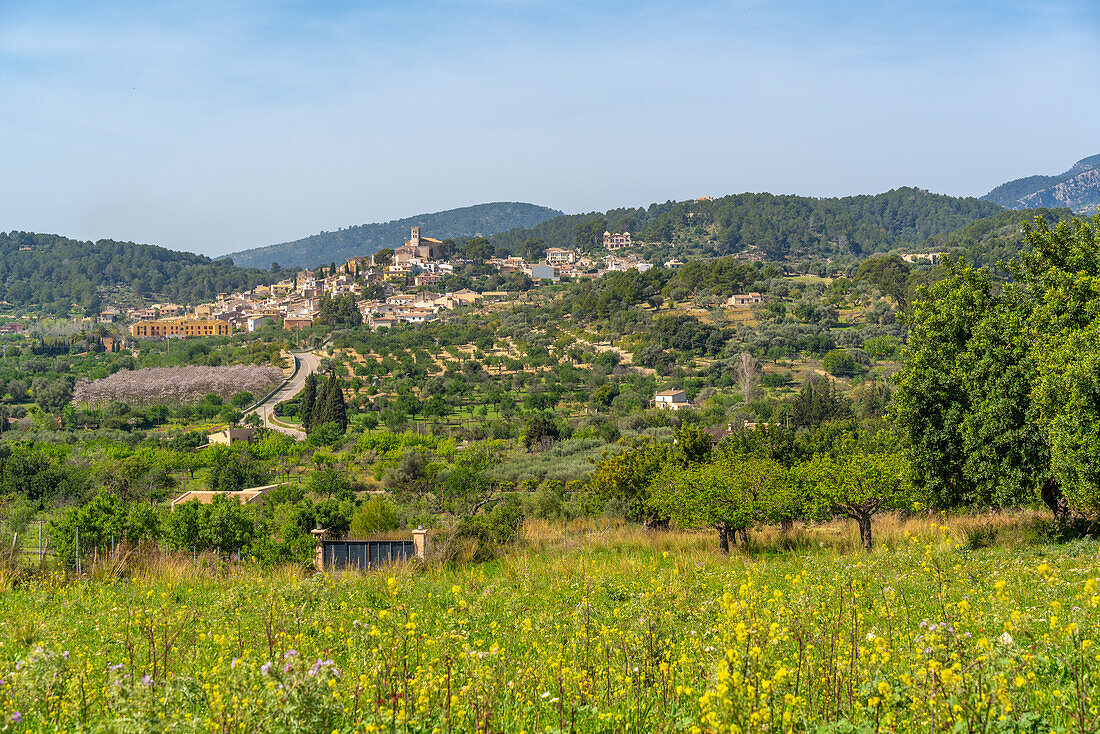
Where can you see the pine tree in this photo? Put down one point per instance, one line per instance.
(308, 402)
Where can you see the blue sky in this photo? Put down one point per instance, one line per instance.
(217, 126)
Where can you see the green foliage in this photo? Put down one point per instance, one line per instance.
(52, 273)
(857, 485)
(890, 274)
(625, 475)
(730, 493)
(838, 362)
(339, 311)
(376, 515)
(778, 226)
(964, 397)
(330, 482)
(231, 470)
(225, 524)
(1062, 274)
(819, 400)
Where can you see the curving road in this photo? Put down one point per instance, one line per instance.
(308, 363)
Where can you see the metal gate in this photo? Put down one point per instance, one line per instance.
(365, 553)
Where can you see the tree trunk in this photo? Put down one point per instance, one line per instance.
(743, 531)
(1052, 496)
(724, 538)
(864, 521)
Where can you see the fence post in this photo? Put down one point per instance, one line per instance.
(319, 535)
(420, 540)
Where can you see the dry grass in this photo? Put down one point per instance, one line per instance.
(890, 531)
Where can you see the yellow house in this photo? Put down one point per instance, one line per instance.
(185, 327)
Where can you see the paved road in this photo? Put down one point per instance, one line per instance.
(308, 362)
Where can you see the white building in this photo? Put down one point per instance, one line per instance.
(559, 256)
(671, 399)
(744, 299)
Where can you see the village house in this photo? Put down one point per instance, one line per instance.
(612, 242)
(615, 264)
(671, 399)
(384, 322)
(559, 256)
(744, 299)
(417, 315)
(252, 496)
(231, 435)
(297, 322)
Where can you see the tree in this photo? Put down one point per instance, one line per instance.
(477, 249)
(889, 273)
(330, 406)
(838, 362)
(1061, 273)
(53, 396)
(307, 401)
(541, 432)
(747, 370)
(819, 400)
(858, 486)
(468, 487)
(964, 397)
(730, 494)
(625, 475)
(230, 471)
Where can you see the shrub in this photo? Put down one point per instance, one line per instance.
(776, 379)
(838, 362)
(376, 515)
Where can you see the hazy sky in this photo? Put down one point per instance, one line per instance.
(217, 126)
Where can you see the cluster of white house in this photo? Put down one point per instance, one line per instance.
(294, 303)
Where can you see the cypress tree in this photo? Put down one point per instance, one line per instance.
(322, 411)
(308, 402)
(337, 409)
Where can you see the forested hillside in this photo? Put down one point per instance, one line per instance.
(778, 227)
(365, 239)
(994, 241)
(51, 273)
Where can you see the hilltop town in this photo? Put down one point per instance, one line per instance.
(380, 285)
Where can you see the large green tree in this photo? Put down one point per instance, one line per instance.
(999, 399)
(964, 394)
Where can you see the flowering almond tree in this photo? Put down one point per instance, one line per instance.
(176, 385)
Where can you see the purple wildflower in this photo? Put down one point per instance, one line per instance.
(16, 717)
(265, 668)
(146, 681)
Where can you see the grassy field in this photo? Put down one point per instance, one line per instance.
(590, 627)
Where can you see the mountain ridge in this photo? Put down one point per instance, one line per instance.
(366, 239)
(1077, 188)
